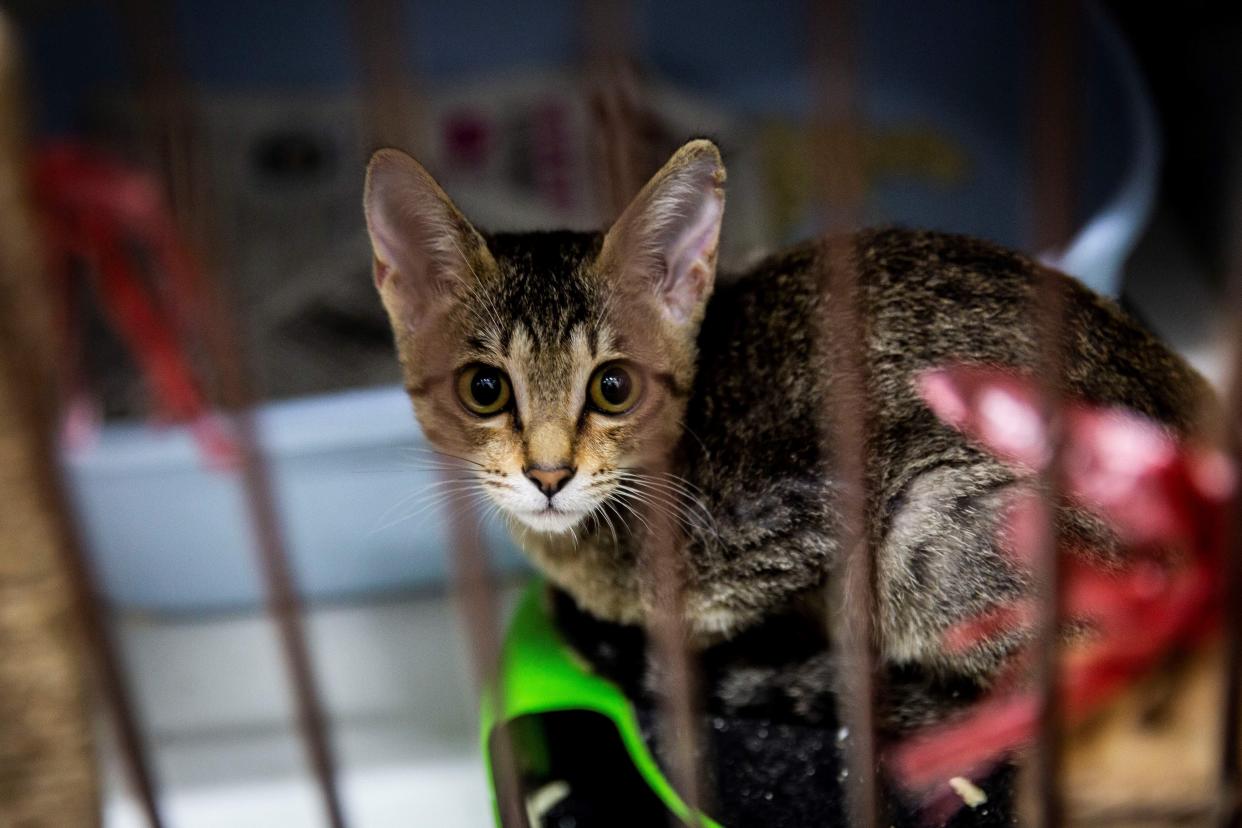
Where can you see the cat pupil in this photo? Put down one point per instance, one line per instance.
(615, 386)
(485, 388)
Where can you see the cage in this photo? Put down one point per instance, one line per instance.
(268, 549)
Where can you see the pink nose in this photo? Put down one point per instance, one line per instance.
(550, 481)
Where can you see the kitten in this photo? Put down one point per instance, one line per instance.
(568, 365)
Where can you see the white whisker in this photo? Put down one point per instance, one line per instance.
(436, 498)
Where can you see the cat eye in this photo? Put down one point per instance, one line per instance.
(484, 390)
(614, 388)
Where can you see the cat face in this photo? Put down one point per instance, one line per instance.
(555, 365)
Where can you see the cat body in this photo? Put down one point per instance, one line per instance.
(755, 452)
(589, 377)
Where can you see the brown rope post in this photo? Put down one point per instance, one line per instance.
(1055, 132)
(839, 170)
(167, 98)
(47, 769)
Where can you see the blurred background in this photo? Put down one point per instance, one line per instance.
(251, 124)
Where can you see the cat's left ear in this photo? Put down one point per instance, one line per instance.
(422, 243)
(668, 236)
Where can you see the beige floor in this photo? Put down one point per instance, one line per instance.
(395, 678)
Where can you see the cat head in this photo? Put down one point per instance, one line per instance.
(552, 363)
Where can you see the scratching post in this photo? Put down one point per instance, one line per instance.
(47, 770)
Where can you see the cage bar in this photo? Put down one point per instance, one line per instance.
(623, 149)
(167, 97)
(838, 164)
(1055, 132)
(622, 155)
(1229, 779)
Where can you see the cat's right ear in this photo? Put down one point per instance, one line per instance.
(420, 240)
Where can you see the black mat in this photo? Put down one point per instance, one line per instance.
(775, 761)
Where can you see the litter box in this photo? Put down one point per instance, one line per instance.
(948, 125)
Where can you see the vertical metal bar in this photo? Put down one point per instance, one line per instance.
(1055, 133)
(1046, 573)
(223, 346)
(380, 31)
(475, 587)
(283, 601)
(1230, 772)
(838, 159)
(664, 581)
(620, 153)
(1229, 813)
(622, 156)
(153, 38)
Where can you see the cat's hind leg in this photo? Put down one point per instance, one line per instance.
(942, 561)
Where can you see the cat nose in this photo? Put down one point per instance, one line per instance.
(550, 481)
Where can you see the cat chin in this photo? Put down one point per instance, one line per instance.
(551, 522)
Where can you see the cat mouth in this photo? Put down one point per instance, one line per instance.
(551, 518)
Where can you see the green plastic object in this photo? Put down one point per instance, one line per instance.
(539, 673)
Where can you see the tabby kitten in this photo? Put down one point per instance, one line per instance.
(566, 366)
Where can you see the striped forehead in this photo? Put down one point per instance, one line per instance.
(544, 287)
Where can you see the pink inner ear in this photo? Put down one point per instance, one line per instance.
(394, 238)
(382, 272)
(689, 258)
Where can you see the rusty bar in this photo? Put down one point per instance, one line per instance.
(1229, 792)
(1046, 570)
(227, 355)
(167, 97)
(664, 583)
(624, 160)
(1230, 771)
(614, 98)
(1055, 134)
(380, 31)
(838, 159)
(474, 585)
(380, 28)
(282, 599)
(165, 135)
(24, 358)
(1055, 121)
